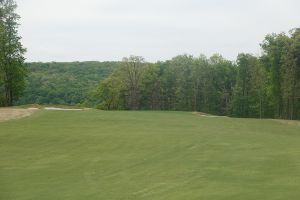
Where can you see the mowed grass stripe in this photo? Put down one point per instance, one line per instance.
(147, 155)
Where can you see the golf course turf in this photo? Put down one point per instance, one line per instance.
(147, 155)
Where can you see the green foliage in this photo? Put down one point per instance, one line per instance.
(64, 83)
(12, 67)
(245, 91)
(281, 57)
(122, 90)
(130, 73)
(183, 83)
(151, 89)
(265, 87)
(223, 80)
(291, 76)
(110, 91)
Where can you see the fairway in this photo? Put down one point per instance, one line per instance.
(145, 155)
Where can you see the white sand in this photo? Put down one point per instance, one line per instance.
(65, 109)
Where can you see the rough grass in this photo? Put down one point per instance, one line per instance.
(54, 155)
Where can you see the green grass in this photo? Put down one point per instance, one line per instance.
(83, 155)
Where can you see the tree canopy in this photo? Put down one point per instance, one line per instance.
(68, 83)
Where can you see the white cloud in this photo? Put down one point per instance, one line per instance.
(66, 30)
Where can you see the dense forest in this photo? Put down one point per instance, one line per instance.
(267, 86)
(68, 83)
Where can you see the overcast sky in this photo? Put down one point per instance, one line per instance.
(81, 30)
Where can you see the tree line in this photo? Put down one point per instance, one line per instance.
(12, 67)
(266, 86)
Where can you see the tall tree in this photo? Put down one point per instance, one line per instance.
(290, 75)
(242, 92)
(151, 87)
(168, 85)
(131, 72)
(183, 66)
(110, 92)
(12, 67)
(203, 84)
(296, 57)
(224, 76)
(259, 90)
(273, 47)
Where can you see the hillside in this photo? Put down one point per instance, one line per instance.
(63, 83)
(145, 155)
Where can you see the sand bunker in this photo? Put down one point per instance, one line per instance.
(15, 113)
(66, 109)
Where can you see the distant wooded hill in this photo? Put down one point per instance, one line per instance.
(63, 82)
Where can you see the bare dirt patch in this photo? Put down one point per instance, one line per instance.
(15, 113)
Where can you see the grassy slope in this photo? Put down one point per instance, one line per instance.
(147, 155)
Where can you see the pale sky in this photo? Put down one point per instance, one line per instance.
(103, 30)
